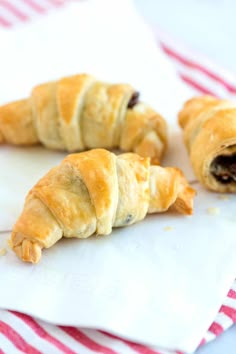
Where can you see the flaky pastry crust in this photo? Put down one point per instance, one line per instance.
(78, 112)
(209, 126)
(92, 192)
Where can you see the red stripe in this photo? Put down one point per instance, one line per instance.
(229, 311)
(1, 352)
(139, 348)
(86, 341)
(203, 341)
(35, 6)
(232, 294)
(11, 8)
(4, 22)
(216, 328)
(16, 339)
(187, 62)
(56, 2)
(41, 332)
(191, 82)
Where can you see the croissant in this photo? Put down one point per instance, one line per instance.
(91, 192)
(78, 113)
(209, 126)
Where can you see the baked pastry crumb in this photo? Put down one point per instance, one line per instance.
(168, 228)
(213, 211)
(3, 251)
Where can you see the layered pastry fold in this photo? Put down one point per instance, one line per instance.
(79, 112)
(92, 192)
(209, 126)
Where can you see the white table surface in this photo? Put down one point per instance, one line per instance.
(208, 27)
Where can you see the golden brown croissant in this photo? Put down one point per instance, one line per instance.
(210, 136)
(78, 113)
(91, 192)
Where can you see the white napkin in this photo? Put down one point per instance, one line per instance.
(142, 282)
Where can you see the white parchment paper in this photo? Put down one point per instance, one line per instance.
(143, 282)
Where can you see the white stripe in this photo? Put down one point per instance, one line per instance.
(203, 80)
(52, 4)
(223, 320)
(233, 286)
(64, 338)
(7, 346)
(230, 302)
(197, 58)
(162, 351)
(27, 9)
(28, 334)
(107, 341)
(47, 5)
(209, 336)
(8, 16)
(11, 7)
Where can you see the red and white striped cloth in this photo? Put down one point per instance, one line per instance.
(22, 333)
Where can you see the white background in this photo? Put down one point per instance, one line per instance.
(209, 27)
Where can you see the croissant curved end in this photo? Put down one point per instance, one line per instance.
(184, 200)
(28, 251)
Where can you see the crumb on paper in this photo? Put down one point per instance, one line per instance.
(223, 197)
(168, 228)
(178, 247)
(213, 211)
(3, 251)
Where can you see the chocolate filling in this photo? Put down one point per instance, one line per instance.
(134, 100)
(223, 168)
(128, 219)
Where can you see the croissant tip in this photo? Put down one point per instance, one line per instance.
(185, 200)
(184, 207)
(28, 251)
